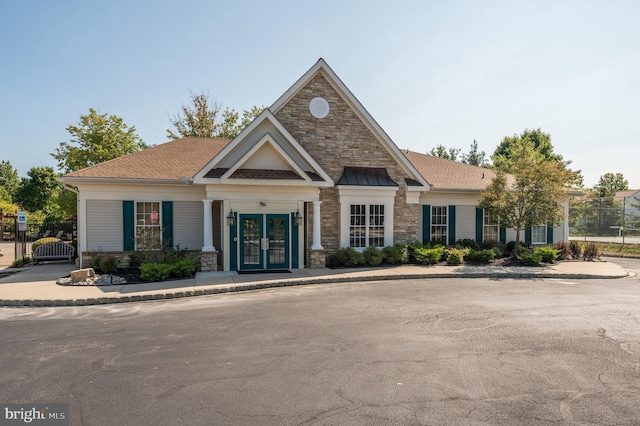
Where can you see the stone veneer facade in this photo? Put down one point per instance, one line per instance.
(338, 140)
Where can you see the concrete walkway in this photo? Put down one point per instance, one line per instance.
(36, 285)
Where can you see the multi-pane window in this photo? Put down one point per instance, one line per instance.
(439, 223)
(366, 227)
(491, 226)
(539, 234)
(148, 233)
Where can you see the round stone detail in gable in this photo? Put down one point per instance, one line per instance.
(319, 107)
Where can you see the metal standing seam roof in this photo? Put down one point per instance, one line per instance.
(366, 176)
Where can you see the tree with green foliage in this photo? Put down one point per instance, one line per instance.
(475, 157)
(9, 180)
(441, 151)
(206, 119)
(609, 184)
(532, 195)
(39, 192)
(507, 151)
(96, 139)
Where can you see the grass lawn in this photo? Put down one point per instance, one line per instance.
(617, 249)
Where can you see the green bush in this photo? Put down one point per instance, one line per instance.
(576, 249)
(136, 258)
(456, 256)
(372, 256)
(489, 244)
(19, 263)
(155, 271)
(347, 257)
(547, 254)
(395, 254)
(184, 267)
(480, 256)
(531, 259)
(428, 256)
(508, 250)
(468, 243)
(42, 241)
(108, 264)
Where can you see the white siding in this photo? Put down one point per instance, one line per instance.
(465, 222)
(188, 224)
(104, 225)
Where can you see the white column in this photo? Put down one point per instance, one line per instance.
(317, 245)
(208, 226)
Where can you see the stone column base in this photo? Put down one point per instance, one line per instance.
(208, 261)
(317, 259)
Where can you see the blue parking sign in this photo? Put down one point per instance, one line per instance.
(22, 217)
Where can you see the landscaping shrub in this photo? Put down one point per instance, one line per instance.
(19, 263)
(489, 244)
(576, 249)
(563, 249)
(428, 256)
(41, 241)
(155, 271)
(372, 256)
(467, 243)
(531, 259)
(590, 252)
(183, 268)
(480, 256)
(411, 250)
(108, 264)
(547, 254)
(345, 257)
(395, 254)
(508, 250)
(136, 258)
(456, 256)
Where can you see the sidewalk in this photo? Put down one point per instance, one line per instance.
(36, 285)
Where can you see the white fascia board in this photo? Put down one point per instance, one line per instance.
(266, 139)
(340, 87)
(366, 191)
(71, 180)
(255, 192)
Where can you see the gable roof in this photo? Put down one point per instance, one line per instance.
(321, 67)
(175, 160)
(443, 174)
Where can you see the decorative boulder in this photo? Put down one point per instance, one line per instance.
(82, 274)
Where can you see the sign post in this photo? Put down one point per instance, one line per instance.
(22, 227)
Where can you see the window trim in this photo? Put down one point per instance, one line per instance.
(487, 214)
(367, 213)
(432, 225)
(368, 195)
(137, 226)
(543, 234)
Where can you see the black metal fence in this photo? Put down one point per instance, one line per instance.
(605, 217)
(24, 236)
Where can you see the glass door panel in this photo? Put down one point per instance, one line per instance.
(251, 255)
(278, 236)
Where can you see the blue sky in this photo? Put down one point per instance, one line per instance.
(430, 72)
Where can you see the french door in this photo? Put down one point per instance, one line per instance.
(264, 241)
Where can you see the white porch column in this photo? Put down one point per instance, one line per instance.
(317, 245)
(208, 226)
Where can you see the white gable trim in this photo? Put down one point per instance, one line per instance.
(266, 115)
(322, 67)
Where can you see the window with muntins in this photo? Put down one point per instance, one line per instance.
(148, 231)
(491, 226)
(366, 227)
(539, 234)
(439, 223)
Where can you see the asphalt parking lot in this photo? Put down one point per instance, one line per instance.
(463, 352)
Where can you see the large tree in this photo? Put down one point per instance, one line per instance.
(475, 157)
(609, 184)
(508, 150)
(39, 192)
(204, 118)
(442, 151)
(532, 195)
(9, 180)
(96, 139)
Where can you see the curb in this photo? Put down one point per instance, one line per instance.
(273, 284)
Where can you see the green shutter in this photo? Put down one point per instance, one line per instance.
(550, 233)
(527, 235)
(503, 235)
(294, 242)
(452, 224)
(479, 224)
(233, 244)
(128, 226)
(167, 224)
(426, 224)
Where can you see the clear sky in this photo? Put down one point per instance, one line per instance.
(430, 72)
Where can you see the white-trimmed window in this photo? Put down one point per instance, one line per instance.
(366, 225)
(148, 231)
(539, 234)
(491, 227)
(439, 223)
